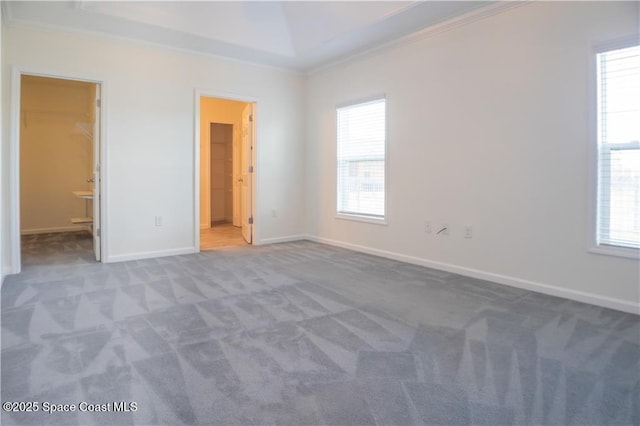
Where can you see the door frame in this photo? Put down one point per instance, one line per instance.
(198, 93)
(14, 159)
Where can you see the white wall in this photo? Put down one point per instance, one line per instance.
(488, 126)
(2, 165)
(56, 155)
(149, 101)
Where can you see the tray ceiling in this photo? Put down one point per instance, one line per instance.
(293, 34)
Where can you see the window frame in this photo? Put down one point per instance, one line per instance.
(355, 216)
(594, 157)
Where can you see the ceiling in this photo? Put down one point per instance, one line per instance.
(299, 35)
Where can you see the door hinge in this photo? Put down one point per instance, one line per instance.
(99, 232)
(250, 117)
(251, 221)
(250, 169)
(98, 103)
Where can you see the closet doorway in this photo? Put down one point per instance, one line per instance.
(226, 159)
(59, 171)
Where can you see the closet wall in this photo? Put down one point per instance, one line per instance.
(221, 172)
(56, 152)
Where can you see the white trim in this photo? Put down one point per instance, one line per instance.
(196, 170)
(14, 158)
(580, 296)
(104, 168)
(382, 96)
(630, 253)
(592, 176)
(285, 239)
(9, 271)
(361, 218)
(198, 93)
(70, 228)
(256, 163)
(14, 172)
(615, 44)
(153, 254)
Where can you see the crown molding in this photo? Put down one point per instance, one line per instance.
(450, 24)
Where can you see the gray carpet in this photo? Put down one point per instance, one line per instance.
(303, 333)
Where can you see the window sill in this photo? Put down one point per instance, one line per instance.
(629, 253)
(358, 218)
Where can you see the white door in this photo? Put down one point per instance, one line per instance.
(96, 175)
(237, 175)
(246, 167)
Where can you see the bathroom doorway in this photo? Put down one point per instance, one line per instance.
(59, 170)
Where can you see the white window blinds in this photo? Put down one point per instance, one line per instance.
(361, 159)
(619, 147)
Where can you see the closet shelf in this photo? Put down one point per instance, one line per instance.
(80, 220)
(87, 195)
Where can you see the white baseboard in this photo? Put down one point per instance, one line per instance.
(70, 228)
(149, 254)
(580, 296)
(286, 239)
(7, 270)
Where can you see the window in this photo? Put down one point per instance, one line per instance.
(618, 148)
(361, 160)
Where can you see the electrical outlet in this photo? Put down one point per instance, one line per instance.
(158, 220)
(444, 229)
(427, 227)
(468, 231)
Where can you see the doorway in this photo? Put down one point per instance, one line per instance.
(226, 167)
(59, 182)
